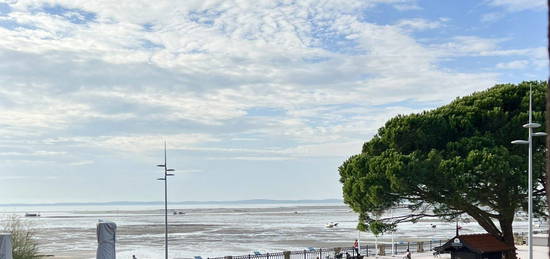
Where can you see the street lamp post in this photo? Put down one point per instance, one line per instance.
(392, 241)
(165, 179)
(530, 126)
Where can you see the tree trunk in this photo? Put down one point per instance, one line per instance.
(505, 233)
(508, 237)
(483, 220)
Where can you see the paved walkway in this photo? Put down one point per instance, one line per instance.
(539, 252)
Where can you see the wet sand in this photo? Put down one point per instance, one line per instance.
(216, 232)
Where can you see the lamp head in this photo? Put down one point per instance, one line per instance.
(520, 142)
(531, 125)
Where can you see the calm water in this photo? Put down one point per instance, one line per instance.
(214, 230)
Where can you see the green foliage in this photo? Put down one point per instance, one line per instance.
(24, 245)
(449, 161)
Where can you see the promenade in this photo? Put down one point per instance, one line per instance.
(420, 250)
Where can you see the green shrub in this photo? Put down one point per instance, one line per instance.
(24, 245)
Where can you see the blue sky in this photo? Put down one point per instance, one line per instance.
(255, 99)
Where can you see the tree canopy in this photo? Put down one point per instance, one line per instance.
(453, 160)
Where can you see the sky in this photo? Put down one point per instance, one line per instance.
(255, 99)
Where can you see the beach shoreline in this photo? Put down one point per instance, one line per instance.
(231, 231)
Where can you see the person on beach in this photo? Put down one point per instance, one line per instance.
(356, 247)
(134, 257)
(407, 255)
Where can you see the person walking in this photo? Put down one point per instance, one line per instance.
(356, 246)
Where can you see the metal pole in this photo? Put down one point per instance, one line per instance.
(165, 205)
(358, 242)
(392, 241)
(376, 245)
(457, 226)
(165, 179)
(530, 205)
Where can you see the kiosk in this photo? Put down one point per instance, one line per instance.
(477, 246)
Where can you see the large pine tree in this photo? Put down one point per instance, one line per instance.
(454, 160)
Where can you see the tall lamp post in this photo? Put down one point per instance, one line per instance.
(165, 179)
(530, 126)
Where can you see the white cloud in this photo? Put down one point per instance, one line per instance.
(33, 153)
(236, 80)
(420, 24)
(139, 143)
(212, 73)
(518, 5)
(516, 64)
(82, 162)
(327, 149)
(469, 46)
(253, 158)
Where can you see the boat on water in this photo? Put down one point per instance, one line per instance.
(32, 214)
(331, 225)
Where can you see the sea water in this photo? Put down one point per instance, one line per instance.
(219, 230)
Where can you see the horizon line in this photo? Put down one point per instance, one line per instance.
(248, 201)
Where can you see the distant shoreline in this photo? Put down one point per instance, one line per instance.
(130, 203)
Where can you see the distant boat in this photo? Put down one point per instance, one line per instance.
(331, 225)
(32, 214)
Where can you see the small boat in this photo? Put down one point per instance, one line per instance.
(331, 225)
(32, 214)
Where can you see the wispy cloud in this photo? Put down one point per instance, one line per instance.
(81, 163)
(90, 83)
(516, 64)
(420, 24)
(517, 5)
(33, 153)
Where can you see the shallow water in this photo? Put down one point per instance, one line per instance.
(212, 231)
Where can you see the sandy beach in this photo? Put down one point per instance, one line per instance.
(218, 232)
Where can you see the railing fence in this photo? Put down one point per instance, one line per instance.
(344, 252)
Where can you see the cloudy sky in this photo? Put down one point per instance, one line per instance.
(255, 99)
